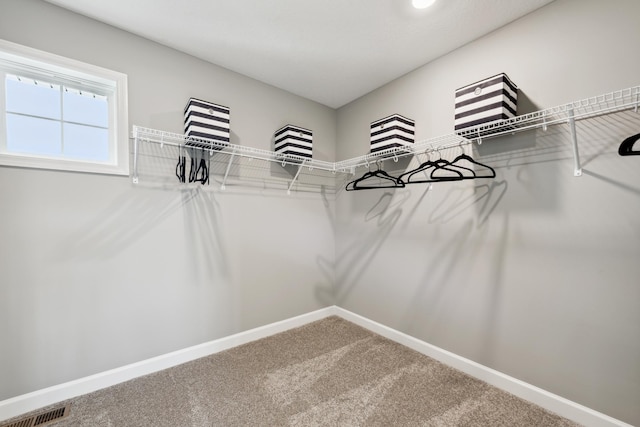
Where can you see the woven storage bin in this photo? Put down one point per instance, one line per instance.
(494, 98)
(208, 121)
(392, 132)
(294, 140)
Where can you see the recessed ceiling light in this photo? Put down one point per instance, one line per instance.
(422, 4)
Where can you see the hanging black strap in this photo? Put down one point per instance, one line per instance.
(180, 168)
(203, 169)
(193, 170)
(199, 170)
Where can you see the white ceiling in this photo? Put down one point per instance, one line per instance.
(330, 51)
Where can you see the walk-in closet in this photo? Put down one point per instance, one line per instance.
(237, 208)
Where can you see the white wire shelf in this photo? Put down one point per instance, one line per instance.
(181, 140)
(568, 113)
(142, 134)
(437, 143)
(602, 104)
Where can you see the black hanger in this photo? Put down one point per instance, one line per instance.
(202, 172)
(463, 156)
(439, 164)
(406, 177)
(393, 182)
(626, 148)
(180, 168)
(199, 171)
(449, 166)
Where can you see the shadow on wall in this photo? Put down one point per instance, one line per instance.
(459, 196)
(602, 136)
(129, 217)
(441, 281)
(530, 164)
(538, 164)
(436, 278)
(485, 197)
(621, 185)
(205, 243)
(525, 104)
(135, 214)
(386, 210)
(491, 321)
(325, 290)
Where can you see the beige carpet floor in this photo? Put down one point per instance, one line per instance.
(327, 373)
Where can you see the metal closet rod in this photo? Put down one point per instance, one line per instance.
(602, 104)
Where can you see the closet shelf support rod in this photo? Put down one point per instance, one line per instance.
(226, 173)
(577, 170)
(135, 157)
(296, 177)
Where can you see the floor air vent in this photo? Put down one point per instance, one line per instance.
(42, 419)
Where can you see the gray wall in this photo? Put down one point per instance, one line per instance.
(96, 273)
(535, 273)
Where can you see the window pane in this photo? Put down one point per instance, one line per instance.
(37, 113)
(33, 136)
(85, 108)
(27, 97)
(86, 142)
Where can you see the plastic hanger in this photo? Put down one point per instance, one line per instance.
(464, 156)
(391, 182)
(439, 172)
(626, 148)
(450, 166)
(199, 171)
(180, 168)
(439, 164)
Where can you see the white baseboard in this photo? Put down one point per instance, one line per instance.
(552, 402)
(31, 401)
(48, 396)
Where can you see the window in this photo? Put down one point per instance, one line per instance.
(58, 113)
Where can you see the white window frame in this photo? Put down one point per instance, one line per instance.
(22, 60)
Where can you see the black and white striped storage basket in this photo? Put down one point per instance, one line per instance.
(486, 101)
(392, 132)
(208, 121)
(294, 140)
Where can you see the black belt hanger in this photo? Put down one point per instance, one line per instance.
(626, 148)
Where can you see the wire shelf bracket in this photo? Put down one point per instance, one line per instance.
(135, 156)
(577, 170)
(295, 178)
(226, 173)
